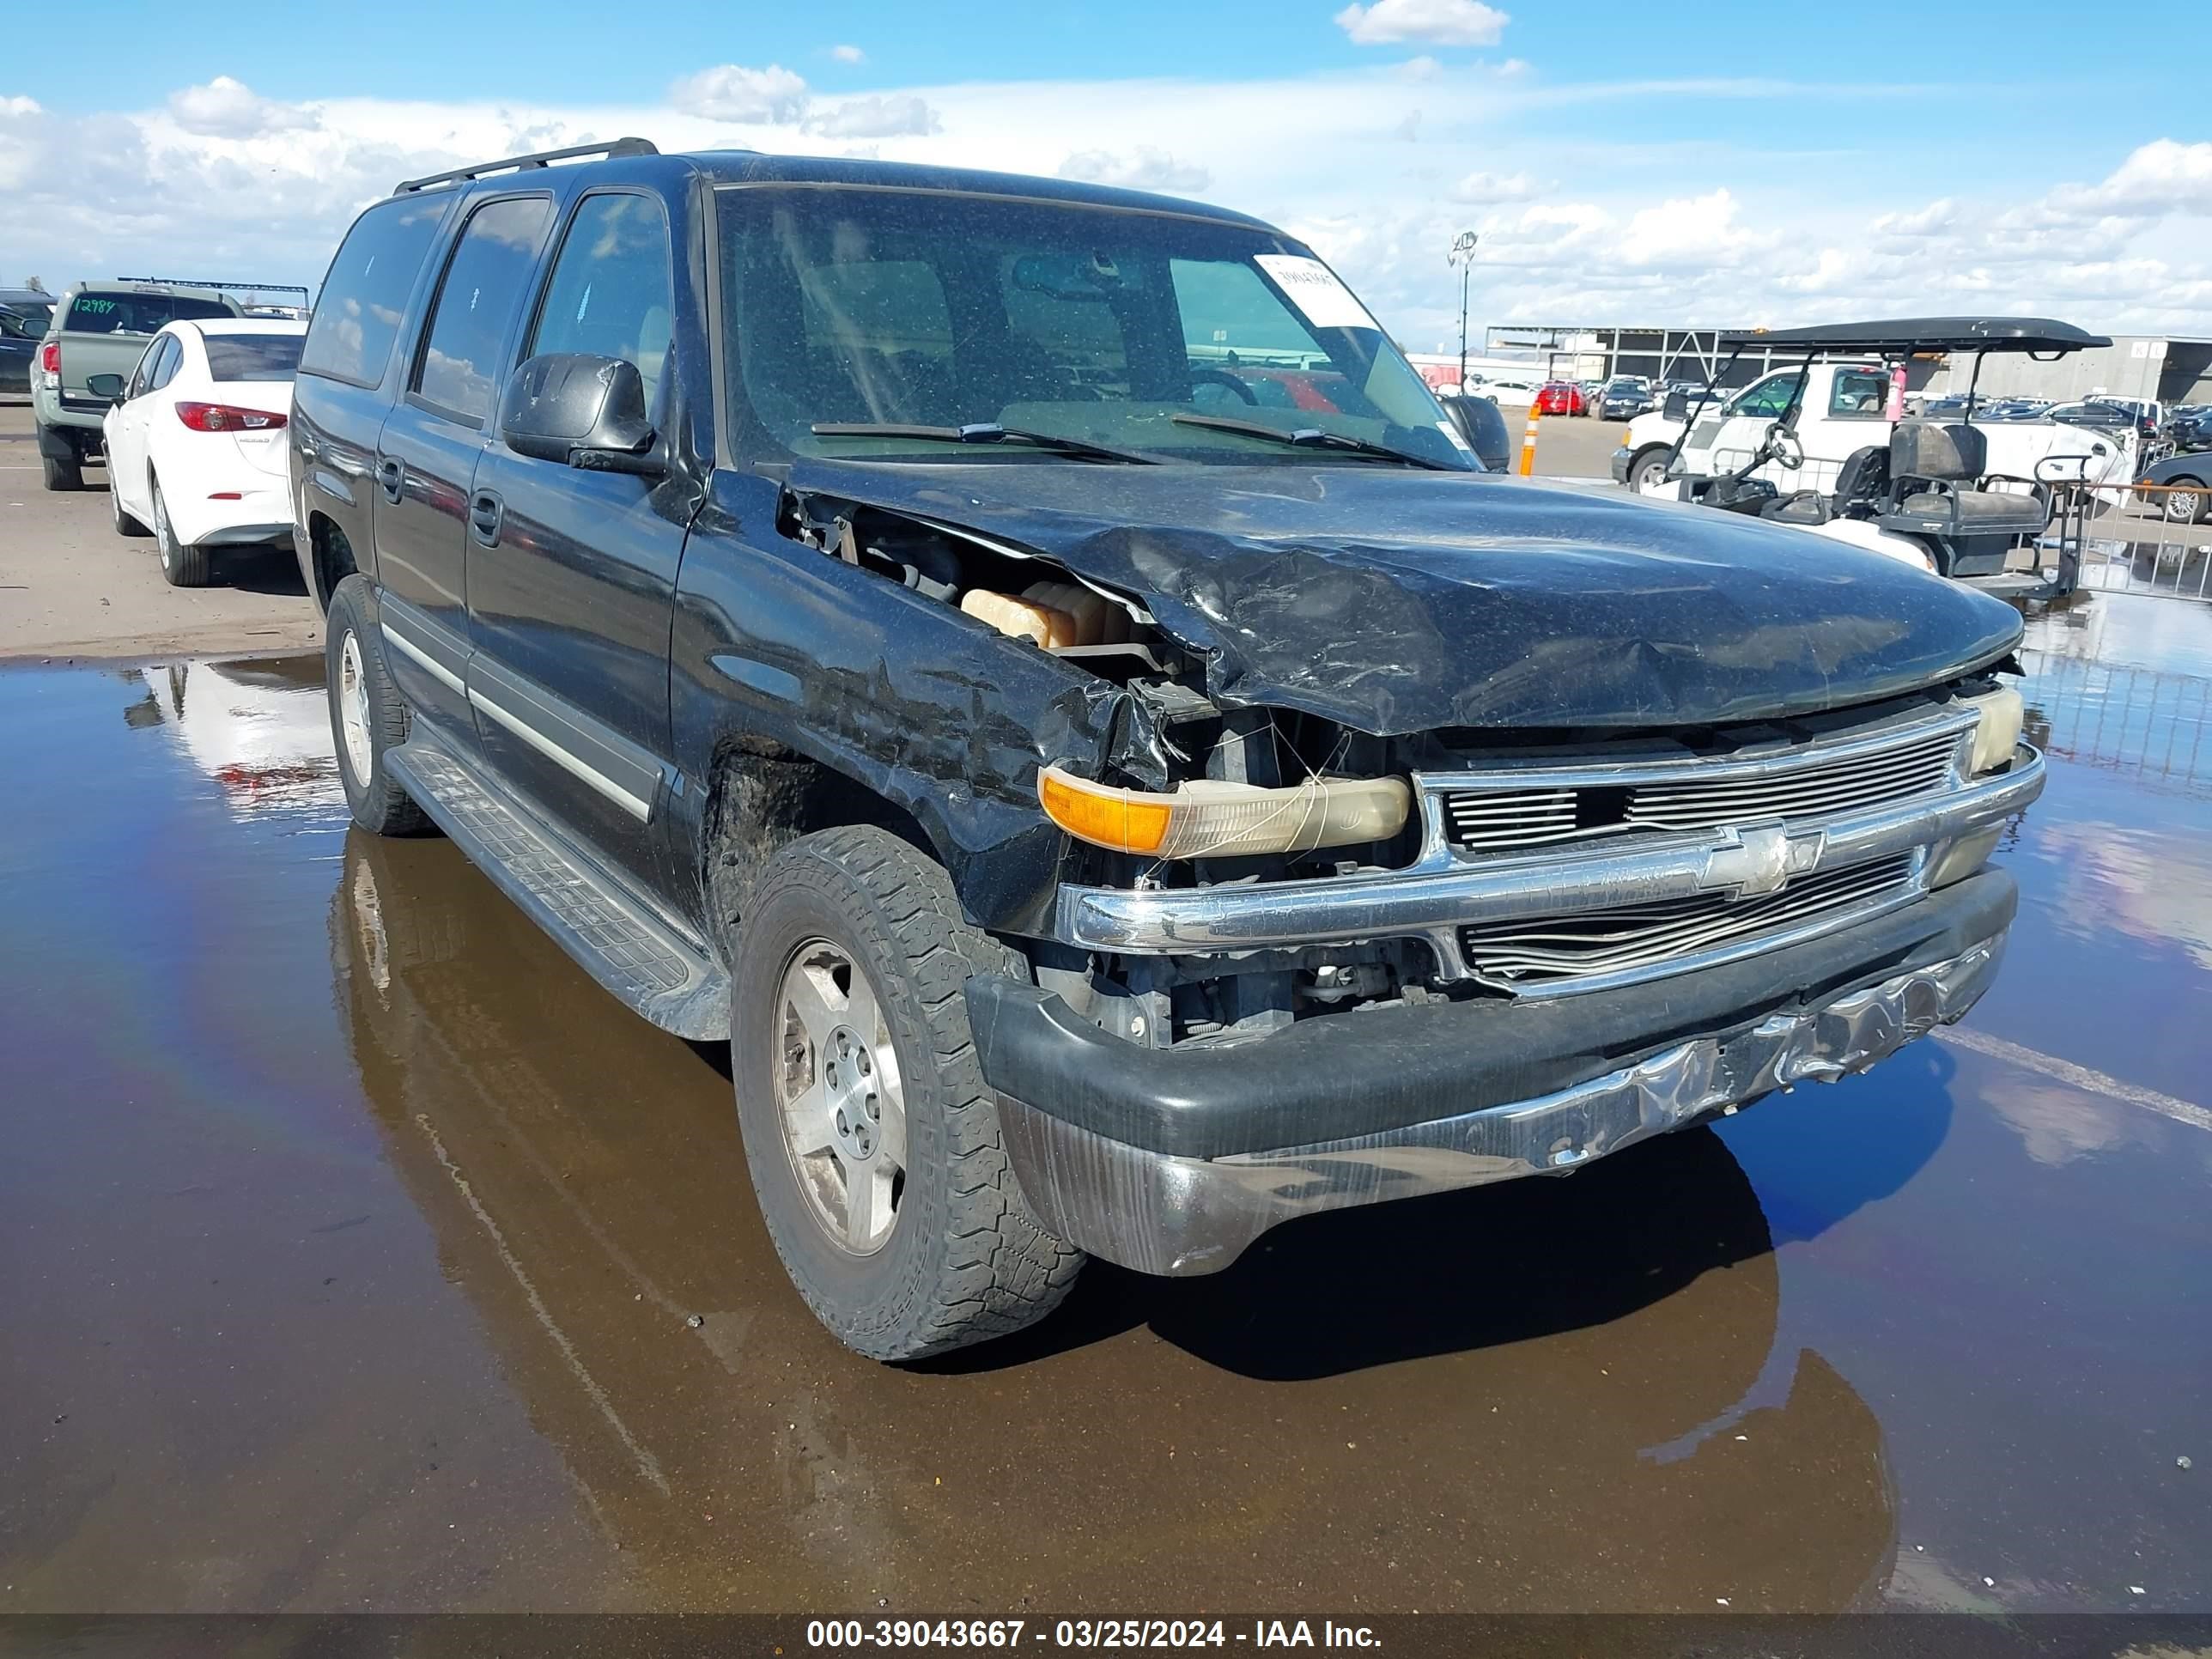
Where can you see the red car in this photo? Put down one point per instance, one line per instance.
(1560, 398)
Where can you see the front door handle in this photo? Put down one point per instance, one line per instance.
(486, 513)
(392, 475)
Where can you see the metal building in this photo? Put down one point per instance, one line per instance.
(2173, 369)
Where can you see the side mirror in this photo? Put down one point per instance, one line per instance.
(110, 386)
(1678, 404)
(581, 410)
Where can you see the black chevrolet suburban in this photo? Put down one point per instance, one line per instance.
(1031, 666)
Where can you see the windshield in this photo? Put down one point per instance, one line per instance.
(948, 310)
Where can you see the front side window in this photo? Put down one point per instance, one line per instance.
(358, 313)
(476, 304)
(1770, 400)
(947, 309)
(612, 287)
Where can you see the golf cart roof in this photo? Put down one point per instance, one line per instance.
(2037, 334)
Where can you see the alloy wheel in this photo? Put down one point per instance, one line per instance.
(353, 710)
(838, 1097)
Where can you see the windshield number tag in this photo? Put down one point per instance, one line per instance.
(1312, 287)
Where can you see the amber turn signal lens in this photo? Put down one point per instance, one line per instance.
(1104, 818)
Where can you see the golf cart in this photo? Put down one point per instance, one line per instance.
(1820, 444)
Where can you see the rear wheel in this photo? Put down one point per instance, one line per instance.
(183, 565)
(873, 1139)
(2187, 502)
(368, 717)
(125, 524)
(62, 474)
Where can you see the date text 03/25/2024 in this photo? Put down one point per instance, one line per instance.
(833, 1633)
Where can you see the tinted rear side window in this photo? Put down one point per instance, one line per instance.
(476, 304)
(253, 356)
(358, 315)
(136, 313)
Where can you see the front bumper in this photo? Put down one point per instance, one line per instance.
(1174, 1162)
(1620, 459)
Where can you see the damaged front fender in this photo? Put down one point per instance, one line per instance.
(778, 646)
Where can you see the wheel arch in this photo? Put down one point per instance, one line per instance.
(330, 557)
(763, 795)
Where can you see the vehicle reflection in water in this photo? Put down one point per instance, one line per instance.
(1534, 1396)
(260, 730)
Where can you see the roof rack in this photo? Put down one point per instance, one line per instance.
(298, 288)
(619, 147)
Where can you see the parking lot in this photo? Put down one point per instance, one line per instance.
(378, 1260)
(70, 586)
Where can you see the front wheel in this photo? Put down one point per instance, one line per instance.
(125, 524)
(368, 717)
(2187, 502)
(873, 1139)
(1648, 466)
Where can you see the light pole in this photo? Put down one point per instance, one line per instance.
(1462, 255)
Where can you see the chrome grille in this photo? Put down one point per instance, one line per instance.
(1574, 803)
(1499, 820)
(1817, 790)
(1637, 937)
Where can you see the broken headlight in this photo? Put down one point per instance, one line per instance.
(1206, 818)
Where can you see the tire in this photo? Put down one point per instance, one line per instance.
(62, 474)
(1652, 459)
(2187, 502)
(125, 524)
(961, 1257)
(359, 686)
(183, 565)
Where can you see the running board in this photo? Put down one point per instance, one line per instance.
(646, 963)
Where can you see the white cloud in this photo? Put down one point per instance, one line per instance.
(731, 91)
(849, 54)
(1695, 230)
(1438, 22)
(225, 108)
(1574, 228)
(2160, 177)
(1485, 189)
(900, 115)
(1147, 169)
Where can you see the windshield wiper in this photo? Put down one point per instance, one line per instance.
(982, 432)
(1312, 437)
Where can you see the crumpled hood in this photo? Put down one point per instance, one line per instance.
(1397, 601)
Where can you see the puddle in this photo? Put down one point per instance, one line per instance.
(351, 1237)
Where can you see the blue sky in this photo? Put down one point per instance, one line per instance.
(1691, 162)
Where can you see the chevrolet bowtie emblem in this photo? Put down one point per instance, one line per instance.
(1762, 860)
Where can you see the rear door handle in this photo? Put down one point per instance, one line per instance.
(392, 475)
(486, 512)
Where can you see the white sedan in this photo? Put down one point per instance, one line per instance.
(196, 442)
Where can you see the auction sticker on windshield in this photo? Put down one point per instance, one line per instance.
(1312, 287)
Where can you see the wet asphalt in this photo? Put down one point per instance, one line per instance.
(356, 1252)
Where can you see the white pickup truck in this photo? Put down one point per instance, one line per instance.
(1844, 409)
